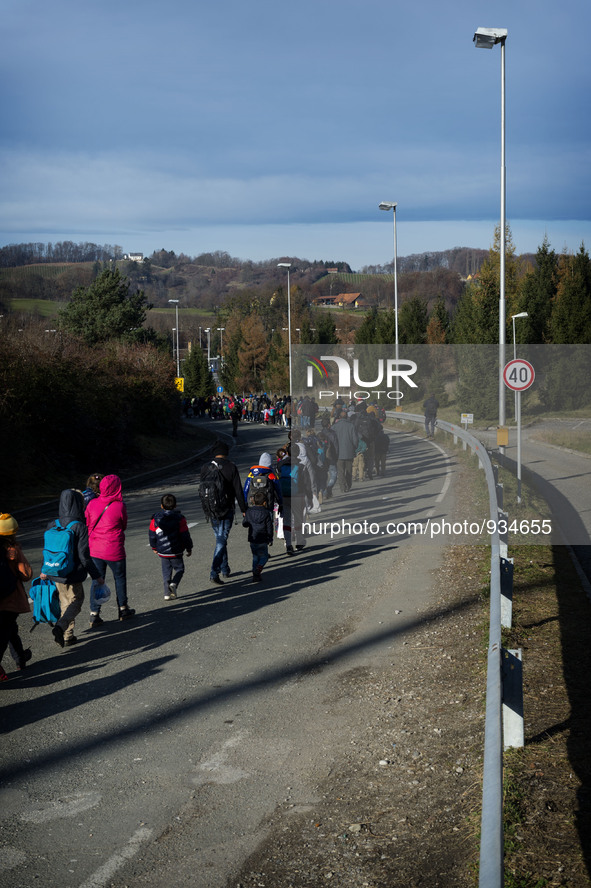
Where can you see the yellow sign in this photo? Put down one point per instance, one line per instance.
(502, 436)
(179, 383)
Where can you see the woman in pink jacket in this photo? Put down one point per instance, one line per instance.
(106, 519)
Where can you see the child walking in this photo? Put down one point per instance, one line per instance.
(14, 570)
(260, 532)
(170, 538)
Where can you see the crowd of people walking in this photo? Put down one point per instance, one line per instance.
(325, 452)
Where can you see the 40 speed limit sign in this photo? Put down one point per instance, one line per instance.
(518, 375)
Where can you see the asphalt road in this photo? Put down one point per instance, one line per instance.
(563, 478)
(153, 752)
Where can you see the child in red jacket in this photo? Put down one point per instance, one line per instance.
(170, 538)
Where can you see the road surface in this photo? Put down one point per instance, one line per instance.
(153, 752)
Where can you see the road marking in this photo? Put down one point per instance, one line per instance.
(66, 806)
(215, 769)
(108, 869)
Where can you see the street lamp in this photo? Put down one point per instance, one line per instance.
(288, 266)
(221, 332)
(208, 331)
(175, 302)
(388, 205)
(522, 314)
(486, 38)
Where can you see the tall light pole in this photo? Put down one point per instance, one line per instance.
(178, 358)
(288, 266)
(221, 332)
(486, 38)
(522, 314)
(208, 331)
(388, 205)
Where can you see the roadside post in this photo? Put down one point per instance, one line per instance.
(518, 375)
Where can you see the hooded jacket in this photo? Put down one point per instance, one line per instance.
(169, 534)
(106, 519)
(71, 508)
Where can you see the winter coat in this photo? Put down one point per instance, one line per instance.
(71, 508)
(260, 525)
(347, 437)
(169, 534)
(17, 602)
(106, 519)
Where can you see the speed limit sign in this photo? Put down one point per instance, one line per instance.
(518, 375)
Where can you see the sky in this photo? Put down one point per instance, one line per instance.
(272, 130)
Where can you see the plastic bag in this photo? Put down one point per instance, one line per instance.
(98, 595)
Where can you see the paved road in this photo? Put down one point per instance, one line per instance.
(563, 477)
(152, 753)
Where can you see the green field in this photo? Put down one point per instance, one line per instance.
(47, 270)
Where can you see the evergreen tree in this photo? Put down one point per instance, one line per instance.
(326, 331)
(438, 326)
(105, 310)
(412, 321)
(367, 331)
(199, 382)
(570, 320)
(537, 292)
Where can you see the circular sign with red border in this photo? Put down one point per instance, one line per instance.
(518, 375)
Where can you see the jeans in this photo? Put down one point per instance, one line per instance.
(221, 528)
(430, 424)
(260, 556)
(119, 571)
(172, 571)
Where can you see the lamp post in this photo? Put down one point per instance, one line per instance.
(208, 331)
(388, 205)
(221, 332)
(486, 38)
(288, 266)
(522, 314)
(175, 302)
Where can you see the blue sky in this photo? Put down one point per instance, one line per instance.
(270, 130)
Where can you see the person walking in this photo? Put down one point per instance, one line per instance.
(70, 588)
(260, 532)
(220, 489)
(430, 407)
(170, 538)
(14, 571)
(348, 439)
(106, 519)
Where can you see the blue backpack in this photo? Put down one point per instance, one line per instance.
(46, 602)
(58, 550)
(289, 479)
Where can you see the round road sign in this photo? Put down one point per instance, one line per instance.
(518, 375)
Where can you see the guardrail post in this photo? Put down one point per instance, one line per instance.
(512, 678)
(506, 592)
(503, 519)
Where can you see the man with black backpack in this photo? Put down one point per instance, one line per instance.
(220, 488)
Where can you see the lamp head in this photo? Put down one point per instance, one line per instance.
(486, 38)
(284, 265)
(388, 205)
(522, 314)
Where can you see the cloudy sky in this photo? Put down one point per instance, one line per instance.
(266, 129)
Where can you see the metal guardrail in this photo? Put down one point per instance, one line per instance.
(491, 837)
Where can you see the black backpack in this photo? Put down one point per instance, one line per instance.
(212, 491)
(261, 482)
